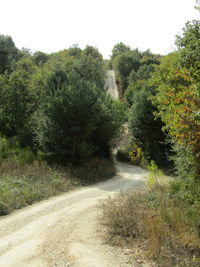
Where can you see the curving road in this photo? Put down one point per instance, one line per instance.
(62, 231)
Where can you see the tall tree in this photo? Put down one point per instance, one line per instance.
(17, 102)
(8, 53)
(75, 119)
(118, 49)
(123, 64)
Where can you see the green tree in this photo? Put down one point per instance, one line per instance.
(123, 64)
(75, 119)
(39, 58)
(138, 78)
(8, 53)
(146, 130)
(75, 51)
(17, 102)
(177, 100)
(189, 47)
(118, 49)
(93, 52)
(198, 5)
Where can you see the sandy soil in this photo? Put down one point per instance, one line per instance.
(63, 231)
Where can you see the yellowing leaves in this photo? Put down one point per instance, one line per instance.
(178, 103)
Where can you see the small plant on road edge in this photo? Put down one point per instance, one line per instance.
(154, 175)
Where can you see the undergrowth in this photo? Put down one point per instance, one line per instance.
(26, 178)
(22, 185)
(165, 219)
(96, 170)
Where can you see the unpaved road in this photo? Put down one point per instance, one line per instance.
(111, 85)
(62, 231)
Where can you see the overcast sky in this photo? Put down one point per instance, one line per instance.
(52, 25)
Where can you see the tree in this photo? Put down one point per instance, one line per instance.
(146, 130)
(198, 5)
(8, 53)
(75, 51)
(91, 68)
(177, 100)
(189, 47)
(118, 49)
(40, 58)
(123, 64)
(138, 78)
(17, 102)
(93, 52)
(75, 119)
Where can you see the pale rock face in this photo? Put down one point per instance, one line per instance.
(110, 84)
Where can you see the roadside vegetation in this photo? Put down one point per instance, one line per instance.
(56, 123)
(163, 222)
(163, 94)
(26, 178)
(58, 126)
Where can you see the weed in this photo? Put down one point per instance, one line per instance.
(154, 175)
(24, 179)
(165, 219)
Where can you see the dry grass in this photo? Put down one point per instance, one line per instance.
(165, 220)
(22, 184)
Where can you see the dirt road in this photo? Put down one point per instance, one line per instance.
(111, 85)
(62, 231)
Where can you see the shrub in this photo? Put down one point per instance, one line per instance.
(184, 162)
(95, 170)
(136, 154)
(165, 220)
(123, 155)
(10, 149)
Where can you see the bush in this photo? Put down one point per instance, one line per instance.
(165, 220)
(136, 154)
(184, 162)
(95, 170)
(121, 216)
(123, 155)
(10, 149)
(23, 185)
(25, 180)
(4, 149)
(131, 153)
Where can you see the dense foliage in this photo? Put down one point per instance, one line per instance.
(163, 95)
(56, 103)
(133, 70)
(177, 82)
(164, 99)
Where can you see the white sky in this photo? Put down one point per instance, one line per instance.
(52, 25)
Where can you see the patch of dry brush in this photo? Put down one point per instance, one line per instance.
(165, 220)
